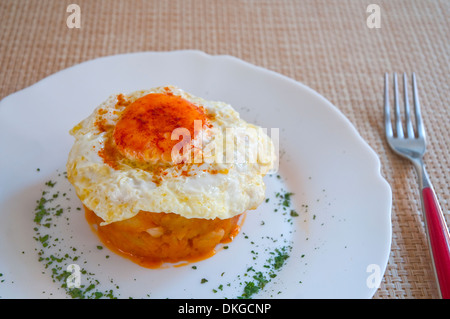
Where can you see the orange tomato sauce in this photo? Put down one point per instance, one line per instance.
(153, 240)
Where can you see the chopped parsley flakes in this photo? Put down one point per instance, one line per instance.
(48, 212)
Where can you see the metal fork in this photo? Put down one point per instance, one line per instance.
(411, 145)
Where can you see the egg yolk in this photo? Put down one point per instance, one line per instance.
(145, 128)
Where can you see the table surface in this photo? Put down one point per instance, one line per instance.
(340, 49)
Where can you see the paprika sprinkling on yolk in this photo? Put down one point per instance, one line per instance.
(144, 130)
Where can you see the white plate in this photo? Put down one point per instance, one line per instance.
(338, 245)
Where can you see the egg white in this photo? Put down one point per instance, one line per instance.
(216, 188)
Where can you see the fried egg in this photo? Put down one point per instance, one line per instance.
(164, 150)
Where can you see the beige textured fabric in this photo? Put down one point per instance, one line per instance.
(326, 45)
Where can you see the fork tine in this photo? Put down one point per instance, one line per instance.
(398, 121)
(387, 112)
(409, 126)
(418, 115)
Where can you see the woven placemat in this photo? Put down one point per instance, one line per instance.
(327, 45)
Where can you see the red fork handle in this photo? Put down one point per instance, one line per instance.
(439, 240)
